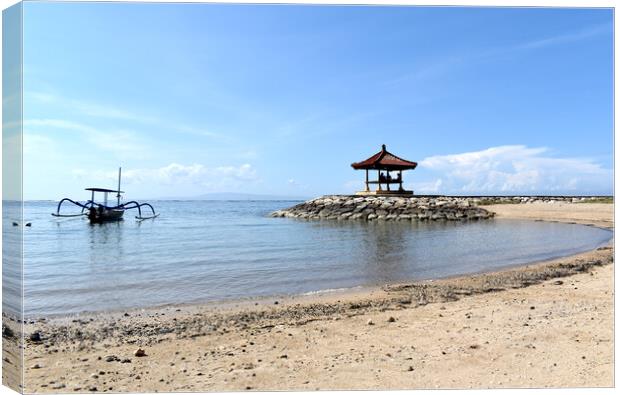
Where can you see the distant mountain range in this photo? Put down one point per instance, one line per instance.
(236, 196)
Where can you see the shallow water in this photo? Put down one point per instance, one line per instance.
(215, 250)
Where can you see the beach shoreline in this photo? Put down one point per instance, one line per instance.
(83, 344)
(501, 213)
(326, 295)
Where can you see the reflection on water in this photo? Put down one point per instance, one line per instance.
(204, 251)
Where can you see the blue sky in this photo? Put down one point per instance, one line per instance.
(196, 98)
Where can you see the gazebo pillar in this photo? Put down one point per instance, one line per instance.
(367, 188)
(387, 179)
(379, 180)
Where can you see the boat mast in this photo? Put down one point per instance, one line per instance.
(118, 193)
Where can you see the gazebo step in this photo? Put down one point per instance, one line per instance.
(384, 193)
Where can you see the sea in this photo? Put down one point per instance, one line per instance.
(210, 251)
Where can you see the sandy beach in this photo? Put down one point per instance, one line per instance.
(547, 324)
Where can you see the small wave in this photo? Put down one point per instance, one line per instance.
(332, 290)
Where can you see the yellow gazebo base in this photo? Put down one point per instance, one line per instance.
(385, 193)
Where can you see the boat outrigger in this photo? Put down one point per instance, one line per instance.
(101, 212)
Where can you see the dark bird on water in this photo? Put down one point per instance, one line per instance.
(15, 224)
(29, 224)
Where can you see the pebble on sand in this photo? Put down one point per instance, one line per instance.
(35, 337)
(7, 332)
(139, 353)
(370, 322)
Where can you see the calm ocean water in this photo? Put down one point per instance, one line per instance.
(216, 250)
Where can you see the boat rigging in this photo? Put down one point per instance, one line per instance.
(98, 212)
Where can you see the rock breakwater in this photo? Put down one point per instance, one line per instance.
(380, 208)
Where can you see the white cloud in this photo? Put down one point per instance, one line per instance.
(588, 32)
(35, 144)
(110, 112)
(514, 169)
(175, 174)
(114, 141)
(452, 61)
(430, 187)
(195, 131)
(195, 174)
(429, 71)
(88, 108)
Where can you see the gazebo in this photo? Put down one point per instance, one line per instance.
(384, 161)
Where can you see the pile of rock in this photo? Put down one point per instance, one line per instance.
(386, 208)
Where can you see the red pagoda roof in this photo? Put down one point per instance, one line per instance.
(384, 160)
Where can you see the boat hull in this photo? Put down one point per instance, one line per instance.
(97, 216)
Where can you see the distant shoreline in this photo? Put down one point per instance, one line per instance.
(303, 198)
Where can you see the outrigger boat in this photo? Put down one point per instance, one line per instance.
(101, 212)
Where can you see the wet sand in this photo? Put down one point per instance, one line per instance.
(548, 324)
